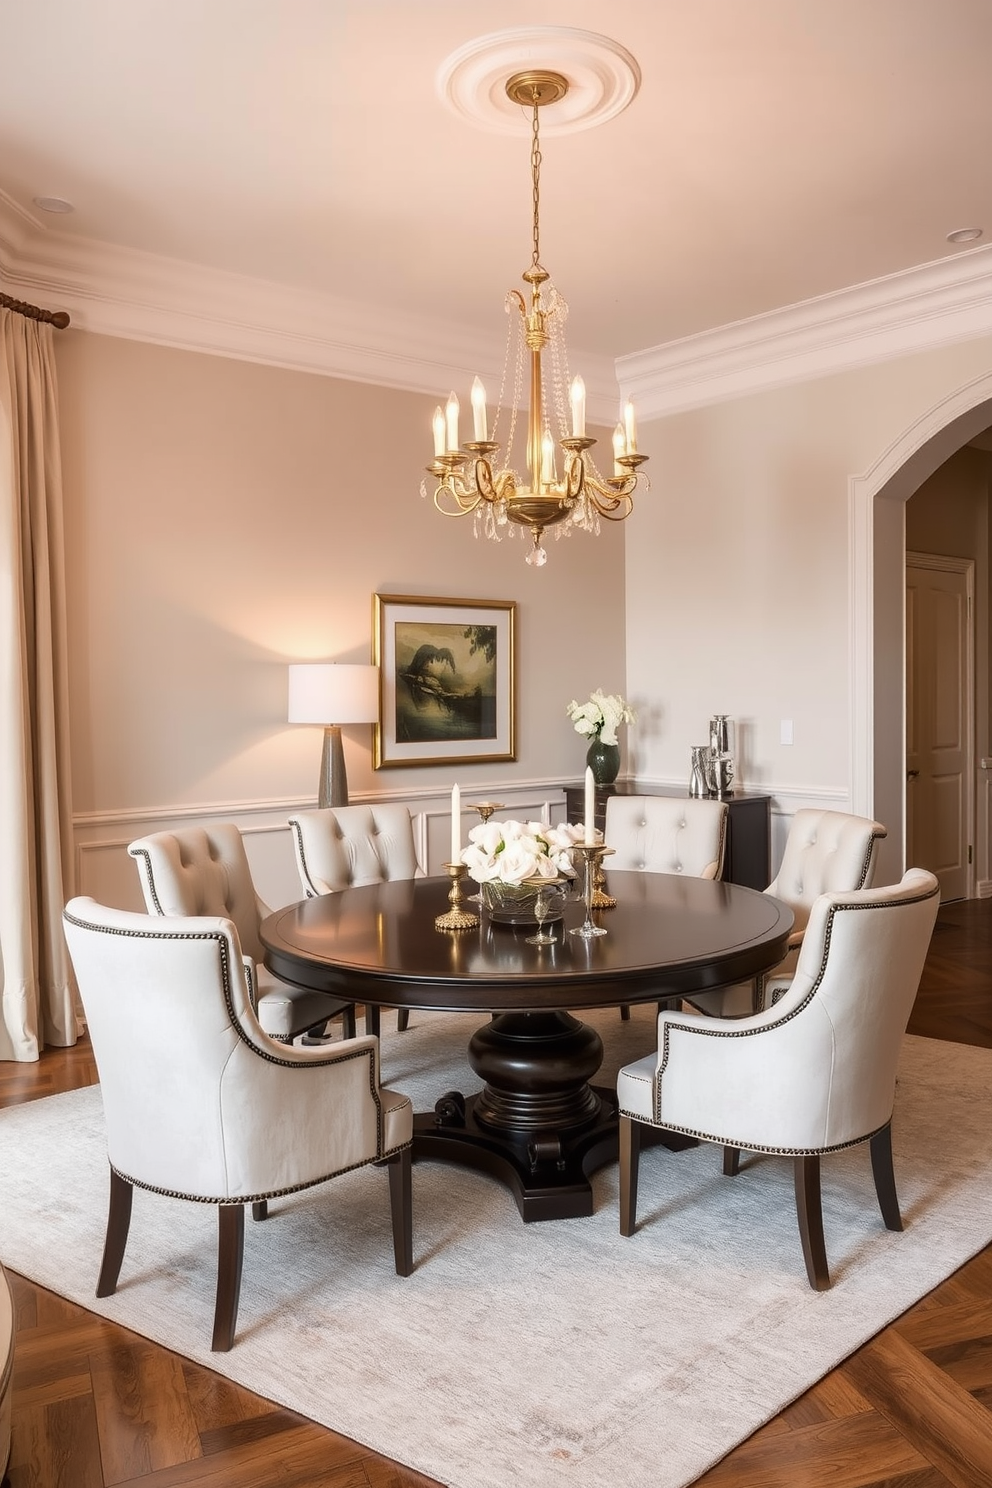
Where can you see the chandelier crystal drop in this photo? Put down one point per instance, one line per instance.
(563, 487)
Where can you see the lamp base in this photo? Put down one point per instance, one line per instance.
(333, 788)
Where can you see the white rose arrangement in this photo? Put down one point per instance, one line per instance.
(601, 716)
(514, 852)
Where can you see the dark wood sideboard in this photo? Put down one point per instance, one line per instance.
(747, 857)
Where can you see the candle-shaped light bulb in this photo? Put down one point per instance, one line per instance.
(439, 430)
(589, 824)
(451, 421)
(619, 448)
(547, 459)
(456, 824)
(479, 411)
(577, 395)
(630, 427)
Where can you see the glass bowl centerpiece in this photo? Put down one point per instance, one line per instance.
(513, 862)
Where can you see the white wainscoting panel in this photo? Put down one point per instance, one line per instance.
(106, 872)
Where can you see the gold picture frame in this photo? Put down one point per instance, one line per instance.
(447, 680)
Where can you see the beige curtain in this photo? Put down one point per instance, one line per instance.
(35, 808)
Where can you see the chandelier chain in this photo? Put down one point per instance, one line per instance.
(535, 171)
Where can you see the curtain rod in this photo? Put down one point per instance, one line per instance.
(58, 318)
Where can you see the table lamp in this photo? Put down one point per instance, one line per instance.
(333, 693)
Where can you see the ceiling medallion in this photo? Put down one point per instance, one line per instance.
(602, 78)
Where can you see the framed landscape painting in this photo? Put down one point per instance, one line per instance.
(446, 680)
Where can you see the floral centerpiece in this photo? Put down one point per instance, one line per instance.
(598, 720)
(512, 861)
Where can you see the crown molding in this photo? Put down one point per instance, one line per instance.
(140, 296)
(917, 309)
(145, 297)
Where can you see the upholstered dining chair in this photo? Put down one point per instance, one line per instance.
(826, 852)
(666, 834)
(201, 1104)
(346, 846)
(812, 1074)
(205, 871)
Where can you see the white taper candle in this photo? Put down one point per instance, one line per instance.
(451, 421)
(479, 421)
(439, 430)
(456, 824)
(578, 400)
(590, 811)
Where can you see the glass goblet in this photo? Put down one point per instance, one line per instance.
(543, 906)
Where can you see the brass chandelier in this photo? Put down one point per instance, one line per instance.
(469, 477)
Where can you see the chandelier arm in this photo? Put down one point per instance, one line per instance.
(608, 500)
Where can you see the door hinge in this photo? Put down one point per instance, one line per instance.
(969, 852)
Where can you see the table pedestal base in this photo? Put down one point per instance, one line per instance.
(547, 1172)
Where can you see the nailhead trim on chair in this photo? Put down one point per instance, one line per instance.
(311, 891)
(255, 1048)
(690, 1131)
(735, 1032)
(255, 1198)
(142, 852)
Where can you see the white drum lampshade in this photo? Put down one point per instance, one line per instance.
(330, 694)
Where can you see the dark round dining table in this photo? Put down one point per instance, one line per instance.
(538, 1123)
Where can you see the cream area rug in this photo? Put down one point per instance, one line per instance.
(545, 1354)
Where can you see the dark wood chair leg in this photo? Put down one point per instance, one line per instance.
(402, 1020)
(230, 1258)
(880, 1146)
(348, 1022)
(809, 1212)
(401, 1208)
(118, 1224)
(731, 1161)
(625, 1012)
(630, 1154)
(260, 1210)
(373, 1021)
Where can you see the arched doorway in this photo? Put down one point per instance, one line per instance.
(877, 502)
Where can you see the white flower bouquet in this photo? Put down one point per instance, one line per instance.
(601, 716)
(514, 852)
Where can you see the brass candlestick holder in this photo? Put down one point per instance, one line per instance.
(600, 898)
(456, 918)
(486, 808)
(592, 856)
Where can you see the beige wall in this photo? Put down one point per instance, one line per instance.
(225, 518)
(739, 572)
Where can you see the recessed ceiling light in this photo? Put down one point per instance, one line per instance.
(53, 204)
(964, 235)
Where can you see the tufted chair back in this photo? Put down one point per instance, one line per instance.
(204, 871)
(666, 834)
(201, 871)
(345, 846)
(199, 1102)
(826, 852)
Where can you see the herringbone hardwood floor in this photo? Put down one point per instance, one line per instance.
(95, 1405)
